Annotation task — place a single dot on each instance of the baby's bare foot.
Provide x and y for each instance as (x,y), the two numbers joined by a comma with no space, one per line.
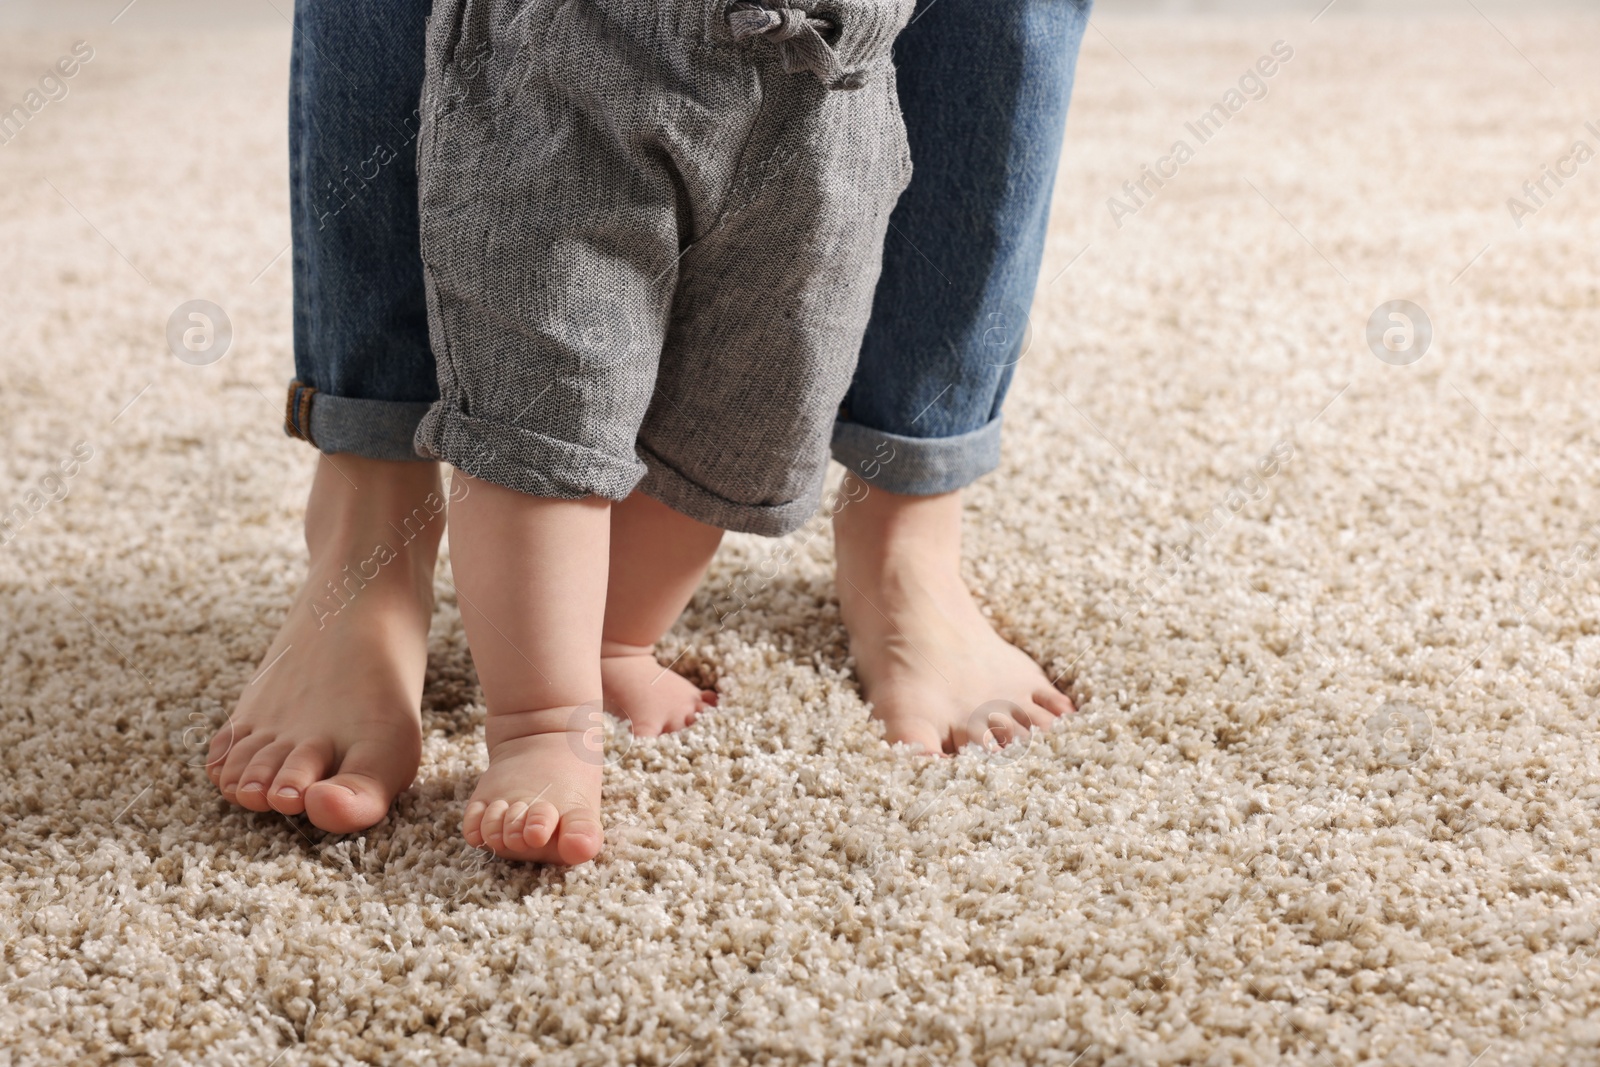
(329,727)
(657,559)
(540,582)
(650,696)
(540,798)
(530,574)
(936,673)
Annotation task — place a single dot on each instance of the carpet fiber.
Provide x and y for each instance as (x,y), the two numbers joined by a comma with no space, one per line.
(1333,620)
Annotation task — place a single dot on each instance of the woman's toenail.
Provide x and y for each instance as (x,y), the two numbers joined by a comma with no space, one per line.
(289,791)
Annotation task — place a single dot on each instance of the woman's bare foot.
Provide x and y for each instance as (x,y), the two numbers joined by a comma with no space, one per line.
(330,725)
(658,558)
(530,575)
(936,673)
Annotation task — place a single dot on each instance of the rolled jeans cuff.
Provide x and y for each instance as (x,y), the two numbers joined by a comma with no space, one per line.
(917,466)
(376,429)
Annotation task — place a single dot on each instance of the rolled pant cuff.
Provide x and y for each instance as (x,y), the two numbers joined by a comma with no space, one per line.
(666,485)
(376,429)
(917,466)
(525,461)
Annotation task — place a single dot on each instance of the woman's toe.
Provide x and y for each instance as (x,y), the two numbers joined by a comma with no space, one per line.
(1054,701)
(346,803)
(238,759)
(302,768)
(259,774)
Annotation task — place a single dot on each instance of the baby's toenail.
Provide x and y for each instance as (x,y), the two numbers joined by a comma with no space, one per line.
(289,791)
(251,787)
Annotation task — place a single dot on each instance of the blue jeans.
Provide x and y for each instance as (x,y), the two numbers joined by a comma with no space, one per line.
(984,88)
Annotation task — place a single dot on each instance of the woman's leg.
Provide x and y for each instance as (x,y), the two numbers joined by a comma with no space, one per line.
(984,88)
(330,724)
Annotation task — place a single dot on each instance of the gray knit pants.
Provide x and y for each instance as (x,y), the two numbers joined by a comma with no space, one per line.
(651,232)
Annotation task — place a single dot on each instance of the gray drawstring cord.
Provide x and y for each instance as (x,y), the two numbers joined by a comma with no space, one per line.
(798,36)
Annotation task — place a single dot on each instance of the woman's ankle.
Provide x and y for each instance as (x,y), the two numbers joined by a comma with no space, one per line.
(883,531)
(352,494)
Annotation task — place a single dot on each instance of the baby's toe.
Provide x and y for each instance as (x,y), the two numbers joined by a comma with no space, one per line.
(580,836)
(494,824)
(681,716)
(1013,731)
(697,705)
(687,708)
(516,815)
(472,823)
(539,824)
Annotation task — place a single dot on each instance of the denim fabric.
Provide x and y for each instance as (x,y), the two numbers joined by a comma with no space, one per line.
(360,318)
(983,86)
(651,244)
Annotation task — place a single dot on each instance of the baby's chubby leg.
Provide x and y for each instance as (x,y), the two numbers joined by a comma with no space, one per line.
(658,557)
(531,577)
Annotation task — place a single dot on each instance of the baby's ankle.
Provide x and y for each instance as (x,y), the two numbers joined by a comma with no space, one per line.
(501,726)
(613,649)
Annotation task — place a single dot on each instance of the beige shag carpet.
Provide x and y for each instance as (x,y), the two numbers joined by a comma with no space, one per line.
(1334,622)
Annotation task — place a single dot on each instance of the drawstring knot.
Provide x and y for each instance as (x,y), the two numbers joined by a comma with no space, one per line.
(798,35)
